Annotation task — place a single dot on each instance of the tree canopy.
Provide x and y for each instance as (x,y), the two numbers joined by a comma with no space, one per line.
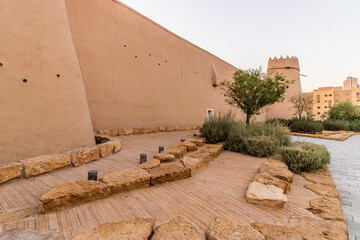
(251,90)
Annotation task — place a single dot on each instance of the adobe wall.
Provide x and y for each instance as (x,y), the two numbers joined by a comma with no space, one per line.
(43,114)
(290,69)
(138,74)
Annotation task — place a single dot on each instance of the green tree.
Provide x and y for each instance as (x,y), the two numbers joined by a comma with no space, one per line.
(251,90)
(344,111)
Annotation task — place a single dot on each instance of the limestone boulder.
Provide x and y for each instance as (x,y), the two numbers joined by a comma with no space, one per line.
(142,131)
(152,163)
(222,229)
(194,164)
(165,157)
(10,171)
(126,131)
(106,149)
(140,228)
(268,179)
(126,179)
(31,234)
(104,132)
(191,147)
(323,190)
(206,157)
(278,232)
(162,129)
(318,178)
(114,133)
(213,149)
(84,155)
(266,195)
(44,164)
(177,150)
(177,228)
(318,228)
(72,193)
(117,144)
(277,169)
(168,173)
(327,208)
(197,140)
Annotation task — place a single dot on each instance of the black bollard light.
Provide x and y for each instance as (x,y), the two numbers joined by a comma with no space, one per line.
(195,135)
(143,157)
(161,149)
(92,175)
(182,140)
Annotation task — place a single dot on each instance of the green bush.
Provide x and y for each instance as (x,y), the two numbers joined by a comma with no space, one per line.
(354,126)
(217,128)
(305,157)
(257,139)
(285,122)
(344,111)
(336,125)
(307,126)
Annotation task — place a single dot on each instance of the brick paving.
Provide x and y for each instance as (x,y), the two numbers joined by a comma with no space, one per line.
(345,170)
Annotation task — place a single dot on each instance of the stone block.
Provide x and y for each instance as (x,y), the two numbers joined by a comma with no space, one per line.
(117,144)
(327,208)
(268,179)
(318,178)
(266,195)
(277,169)
(213,149)
(278,232)
(126,179)
(168,173)
(43,164)
(198,141)
(84,155)
(191,147)
(177,228)
(31,234)
(162,129)
(165,157)
(142,131)
(10,171)
(205,157)
(114,133)
(194,164)
(221,229)
(104,132)
(323,190)
(106,149)
(177,150)
(139,228)
(150,164)
(126,131)
(72,193)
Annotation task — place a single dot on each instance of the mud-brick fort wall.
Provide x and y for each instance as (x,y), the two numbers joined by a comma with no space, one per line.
(43,106)
(138,74)
(289,68)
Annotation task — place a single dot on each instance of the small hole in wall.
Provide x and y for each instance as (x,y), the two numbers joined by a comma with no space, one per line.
(1,64)
(166,61)
(159,64)
(135,56)
(125,45)
(149,54)
(58,75)
(287,86)
(25,80)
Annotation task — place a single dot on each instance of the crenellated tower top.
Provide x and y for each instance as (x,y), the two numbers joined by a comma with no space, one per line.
(284,63)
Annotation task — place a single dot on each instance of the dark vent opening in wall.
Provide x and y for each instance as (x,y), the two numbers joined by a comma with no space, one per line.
(58,75)
(125,45)
(1,64)
(25,80)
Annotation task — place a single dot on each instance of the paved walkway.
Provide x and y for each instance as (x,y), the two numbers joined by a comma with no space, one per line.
(345,170)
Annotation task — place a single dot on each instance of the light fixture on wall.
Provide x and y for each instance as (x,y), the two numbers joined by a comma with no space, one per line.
(143,158)
(92,175)
(161,149)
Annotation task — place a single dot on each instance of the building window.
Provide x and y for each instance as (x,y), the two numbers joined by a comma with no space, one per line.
(330,95)
(325,107)
(325,95)
(318,107)
(318,113)
(325,100)
(318,98)
(330,102)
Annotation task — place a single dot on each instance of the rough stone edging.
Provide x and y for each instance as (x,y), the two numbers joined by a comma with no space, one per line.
(325,137)
(134,131)
(34,166)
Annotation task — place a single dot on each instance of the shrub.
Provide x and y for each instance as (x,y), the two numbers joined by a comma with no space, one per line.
(285,122)
(257,139)
(336,125)
(354,126)
(217,128)
(307,126)
(344,111)
(305,157)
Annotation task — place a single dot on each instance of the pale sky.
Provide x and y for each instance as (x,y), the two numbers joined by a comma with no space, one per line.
(323,34)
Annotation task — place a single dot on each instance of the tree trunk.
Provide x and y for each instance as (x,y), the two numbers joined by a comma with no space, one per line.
(248,119)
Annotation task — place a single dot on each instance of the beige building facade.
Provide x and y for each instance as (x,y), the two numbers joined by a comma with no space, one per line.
(325,97)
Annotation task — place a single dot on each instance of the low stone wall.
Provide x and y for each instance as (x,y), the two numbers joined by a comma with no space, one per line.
(327,135)
(163,168)
(31,167)
(132,131)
